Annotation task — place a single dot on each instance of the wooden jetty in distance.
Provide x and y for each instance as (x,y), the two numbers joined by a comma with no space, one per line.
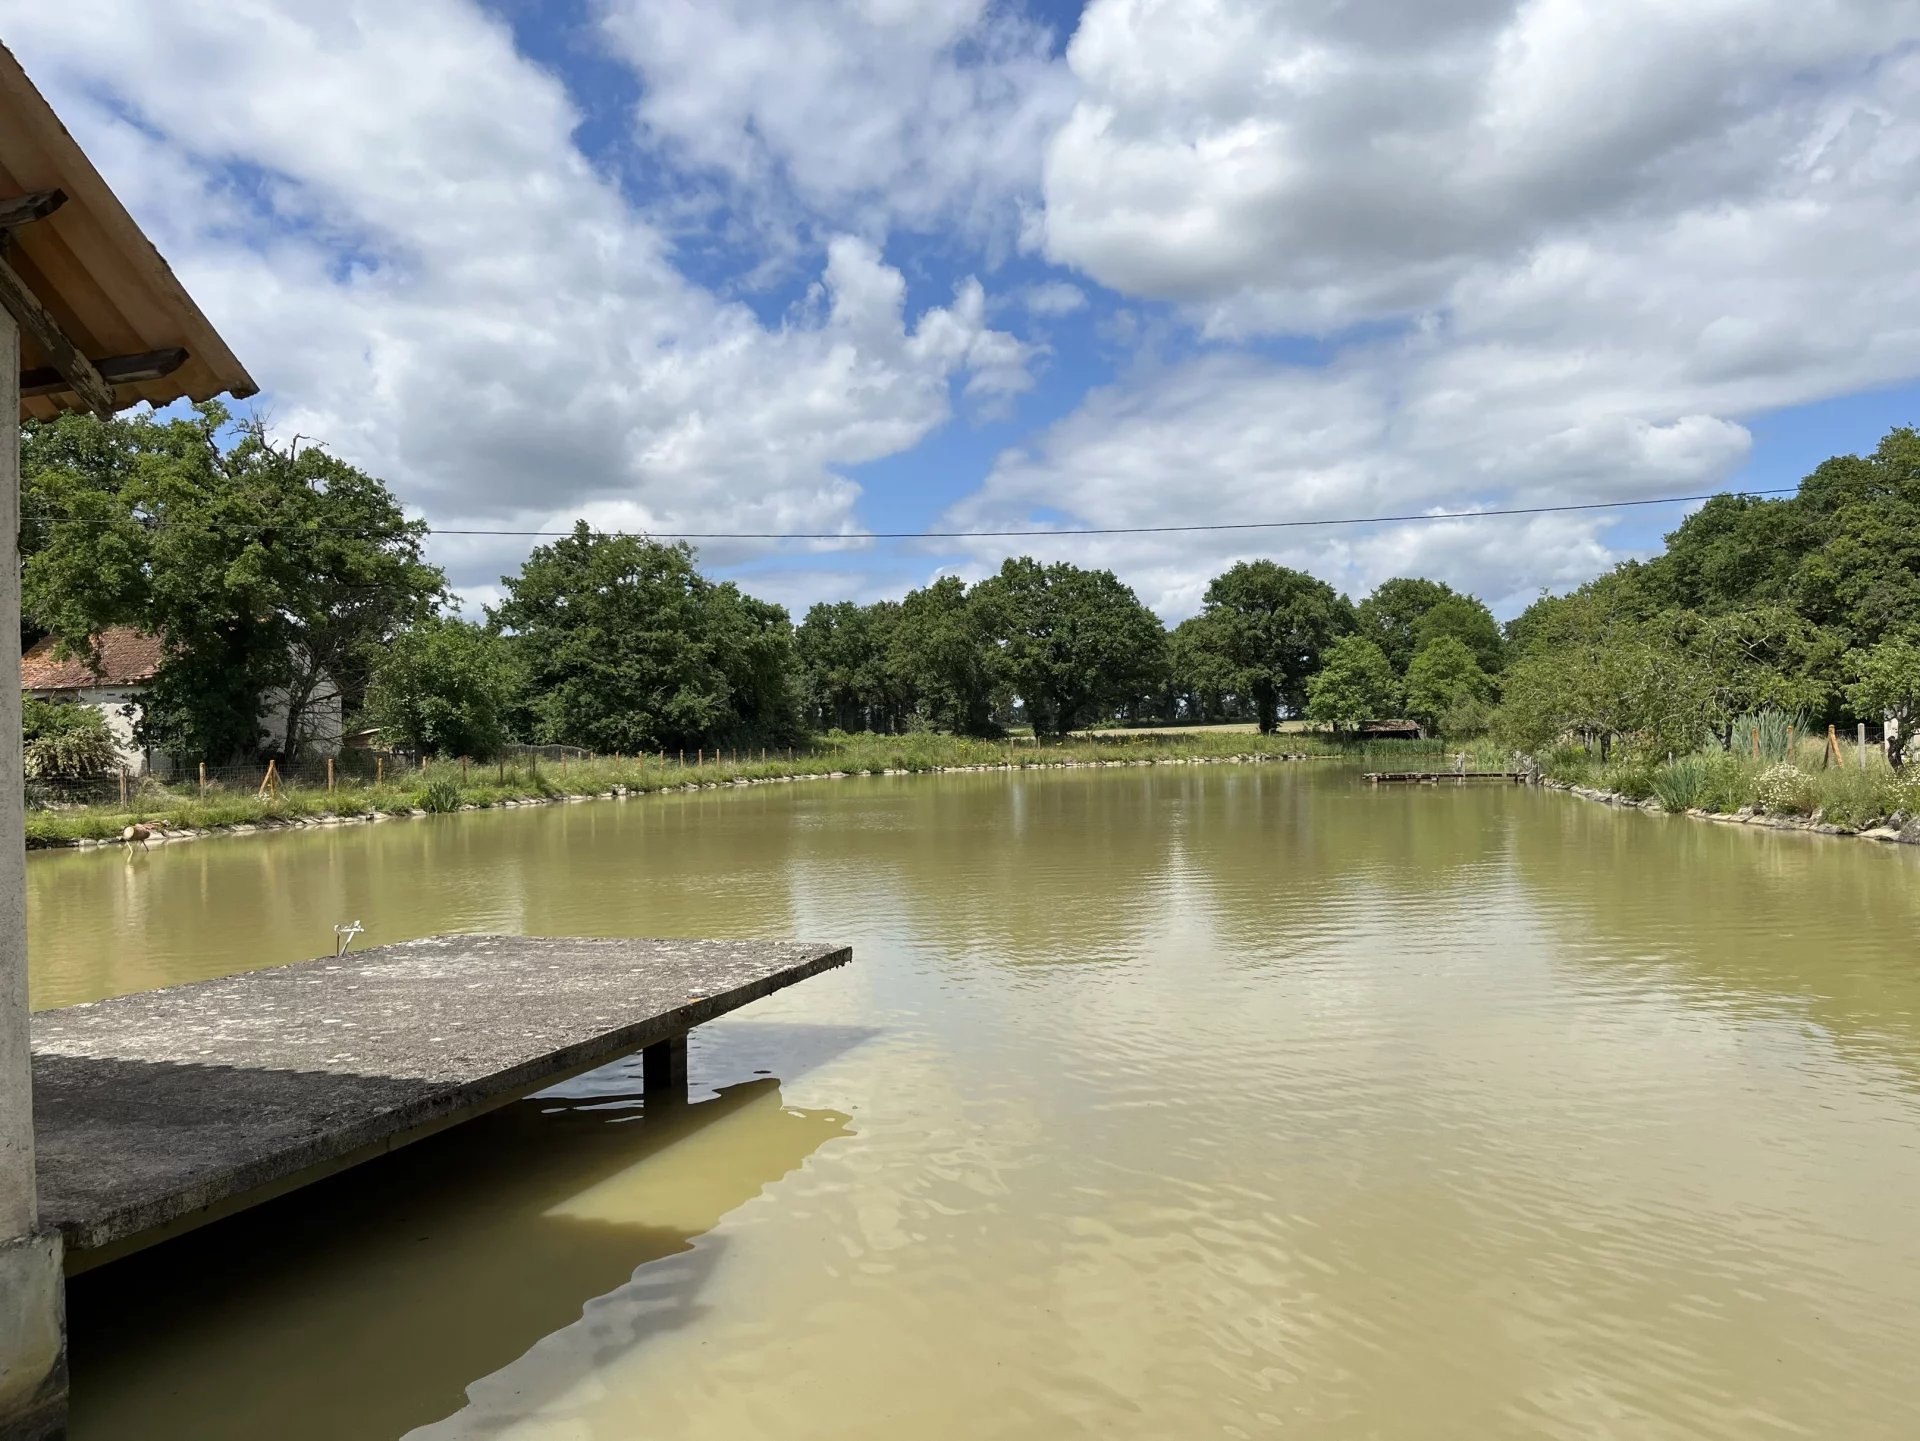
(1435,777)
(163,1110)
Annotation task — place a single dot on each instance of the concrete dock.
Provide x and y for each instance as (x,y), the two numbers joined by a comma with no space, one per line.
(160,1111)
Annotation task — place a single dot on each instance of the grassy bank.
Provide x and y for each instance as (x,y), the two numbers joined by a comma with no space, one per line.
(450,786)
(1783,781)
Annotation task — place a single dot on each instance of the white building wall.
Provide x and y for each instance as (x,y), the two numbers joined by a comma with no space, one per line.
(323,723)
(120,705)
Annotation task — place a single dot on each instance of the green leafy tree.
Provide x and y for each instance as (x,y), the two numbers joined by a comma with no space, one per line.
(1202,677)
(627,647)
(445,687)
(1391,616)
(263,568)
(1074,640)
(1619,597)
(1761,658)
(848,675)
(1269,628)
(1632,683)
(1886,686)
(66,742)
(1355,684)
(946,658)
(1843,553)
(1466,619)
(1446,689)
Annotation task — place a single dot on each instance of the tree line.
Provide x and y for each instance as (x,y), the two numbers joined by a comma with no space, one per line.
(281,568)
(1807,605)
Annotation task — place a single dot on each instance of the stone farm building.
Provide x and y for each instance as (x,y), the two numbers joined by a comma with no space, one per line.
(129,660)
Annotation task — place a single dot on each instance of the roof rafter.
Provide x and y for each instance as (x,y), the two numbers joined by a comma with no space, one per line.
(36,322)
(115,370)
(34,205)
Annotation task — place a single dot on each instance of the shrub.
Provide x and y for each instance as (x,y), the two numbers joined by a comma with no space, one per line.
(1784,790)
(1680,784)
(442,794)
(1704,780)
(1634,780)
(1850,797)
(65,742)
(1567,763)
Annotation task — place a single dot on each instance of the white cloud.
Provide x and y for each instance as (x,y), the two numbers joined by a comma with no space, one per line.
(871,113)
(1054,297)
(1599,239)
(1305,166)
(1234,439)
(1560,251)
(446,291)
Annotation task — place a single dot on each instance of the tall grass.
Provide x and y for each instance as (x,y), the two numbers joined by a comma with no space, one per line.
(1706,780)
(451,785)
(1767,735)
(1791,777)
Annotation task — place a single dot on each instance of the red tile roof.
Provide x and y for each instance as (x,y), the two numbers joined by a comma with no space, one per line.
(127,657)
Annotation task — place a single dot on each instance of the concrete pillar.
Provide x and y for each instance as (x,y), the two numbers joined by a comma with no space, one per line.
(33,1351)
(663,1070)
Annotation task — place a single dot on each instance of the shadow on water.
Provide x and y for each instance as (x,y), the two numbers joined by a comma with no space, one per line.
(364,1306)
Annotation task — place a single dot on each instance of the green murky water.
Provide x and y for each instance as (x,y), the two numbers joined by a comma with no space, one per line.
(1168,1103)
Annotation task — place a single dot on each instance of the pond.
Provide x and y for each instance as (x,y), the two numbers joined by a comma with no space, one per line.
(1175,1102)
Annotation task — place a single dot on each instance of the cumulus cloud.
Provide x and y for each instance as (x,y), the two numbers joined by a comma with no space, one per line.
(420,267)
(1536,252)
(1306,166)
(871,113)
(1236,439)
(1054,298)
(1596,239)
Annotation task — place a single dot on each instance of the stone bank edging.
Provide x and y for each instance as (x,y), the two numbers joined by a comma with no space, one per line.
(1746,816)
(170,835)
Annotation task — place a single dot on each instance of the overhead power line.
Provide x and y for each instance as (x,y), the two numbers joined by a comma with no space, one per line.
(1038,533)
(1129,529)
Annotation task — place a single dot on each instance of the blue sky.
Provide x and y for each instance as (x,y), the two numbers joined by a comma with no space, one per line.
(893,265)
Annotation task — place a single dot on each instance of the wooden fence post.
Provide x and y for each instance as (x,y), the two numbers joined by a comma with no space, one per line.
(1863,745)
(329,775)
(379,770)
(203,768)
(123,787)
(1755,733)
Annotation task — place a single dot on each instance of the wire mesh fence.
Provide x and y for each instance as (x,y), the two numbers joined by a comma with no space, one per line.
(159,780)
(156,778)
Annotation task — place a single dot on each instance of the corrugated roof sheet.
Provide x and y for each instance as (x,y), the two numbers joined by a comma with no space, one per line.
(127,657)
(94,268)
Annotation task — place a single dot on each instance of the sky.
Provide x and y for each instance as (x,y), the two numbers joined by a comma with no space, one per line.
(858,266)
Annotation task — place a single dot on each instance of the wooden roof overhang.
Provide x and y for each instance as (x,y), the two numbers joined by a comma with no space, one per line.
(103,322)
